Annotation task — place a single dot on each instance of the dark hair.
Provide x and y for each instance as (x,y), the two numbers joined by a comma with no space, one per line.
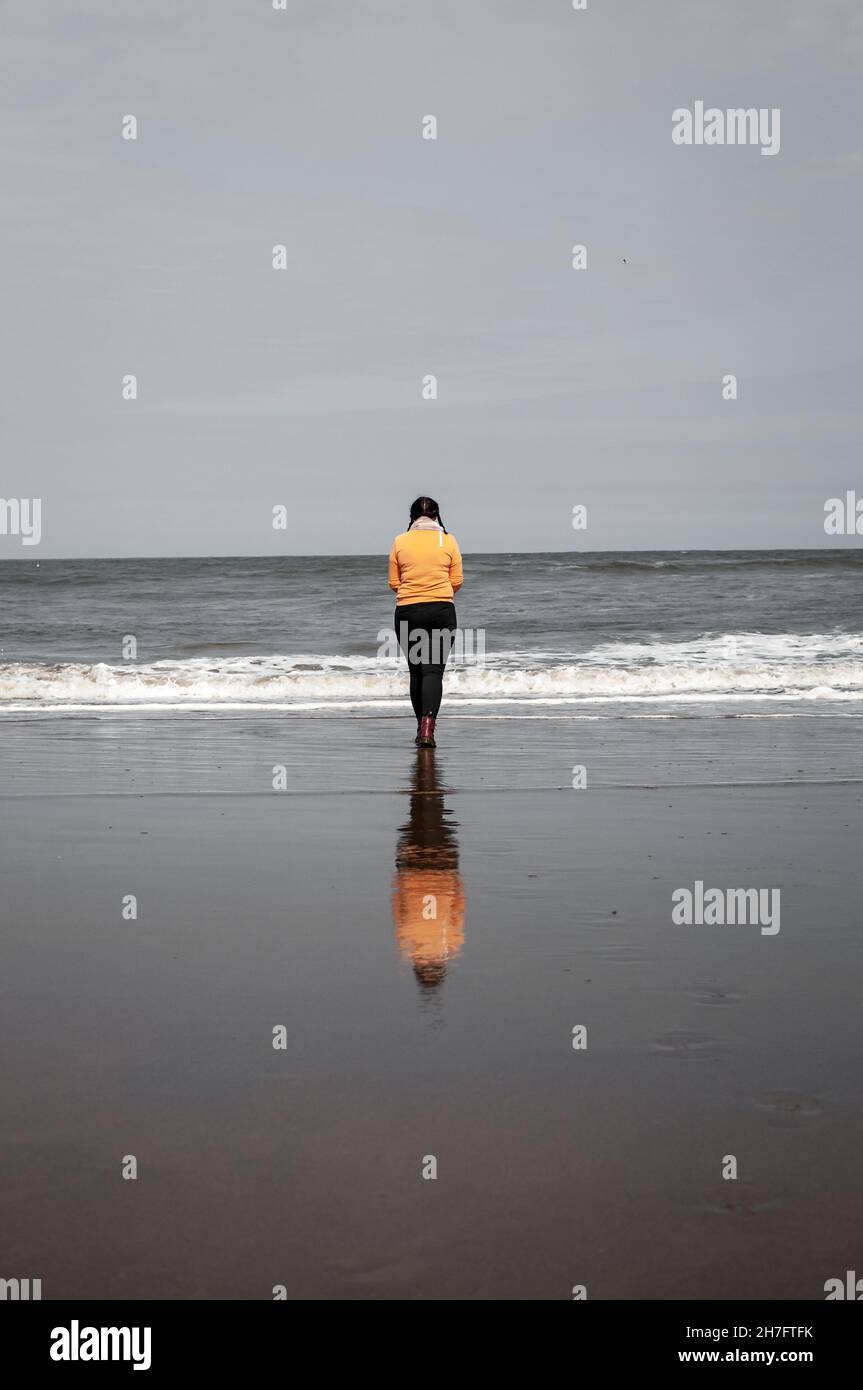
(426,506)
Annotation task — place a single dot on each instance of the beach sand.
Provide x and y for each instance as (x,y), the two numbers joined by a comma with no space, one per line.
(408,1038)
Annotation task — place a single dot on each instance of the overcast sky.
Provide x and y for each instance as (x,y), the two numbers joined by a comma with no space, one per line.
(407,256)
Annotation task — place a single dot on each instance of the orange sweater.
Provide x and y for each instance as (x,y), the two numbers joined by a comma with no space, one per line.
(425,566)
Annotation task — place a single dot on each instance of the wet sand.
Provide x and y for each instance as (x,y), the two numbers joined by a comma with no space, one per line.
(407,1037)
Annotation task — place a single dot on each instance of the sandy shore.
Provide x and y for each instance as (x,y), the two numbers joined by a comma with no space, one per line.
(408,1038)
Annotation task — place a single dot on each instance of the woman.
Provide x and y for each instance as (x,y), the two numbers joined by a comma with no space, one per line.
(425,573)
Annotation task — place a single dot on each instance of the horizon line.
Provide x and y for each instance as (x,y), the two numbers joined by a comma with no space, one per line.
(376,554)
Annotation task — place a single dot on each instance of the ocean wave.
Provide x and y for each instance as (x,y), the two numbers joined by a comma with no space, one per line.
(721,666)
(706,562)
(741,647)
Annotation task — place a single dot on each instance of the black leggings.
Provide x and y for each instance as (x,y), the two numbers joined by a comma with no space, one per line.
(426,656)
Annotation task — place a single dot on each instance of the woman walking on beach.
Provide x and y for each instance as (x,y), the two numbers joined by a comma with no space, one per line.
(425,573)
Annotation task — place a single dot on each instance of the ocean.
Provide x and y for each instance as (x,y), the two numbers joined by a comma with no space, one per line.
(672,632)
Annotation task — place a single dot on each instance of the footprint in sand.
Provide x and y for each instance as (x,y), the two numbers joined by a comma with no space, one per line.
(736,1199)
(713,994)
(680,1042)
(790,1107)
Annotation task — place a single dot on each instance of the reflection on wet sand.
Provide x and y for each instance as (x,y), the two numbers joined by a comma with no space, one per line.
(428,893)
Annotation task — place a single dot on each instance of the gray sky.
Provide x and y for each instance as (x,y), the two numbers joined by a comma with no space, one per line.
(407,257)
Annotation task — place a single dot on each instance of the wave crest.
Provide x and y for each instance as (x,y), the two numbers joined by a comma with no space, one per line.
(753,665)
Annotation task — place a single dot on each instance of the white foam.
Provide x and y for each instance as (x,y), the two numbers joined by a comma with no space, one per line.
(728,667)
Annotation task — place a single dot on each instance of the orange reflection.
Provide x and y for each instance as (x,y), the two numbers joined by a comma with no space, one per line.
(428,893)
